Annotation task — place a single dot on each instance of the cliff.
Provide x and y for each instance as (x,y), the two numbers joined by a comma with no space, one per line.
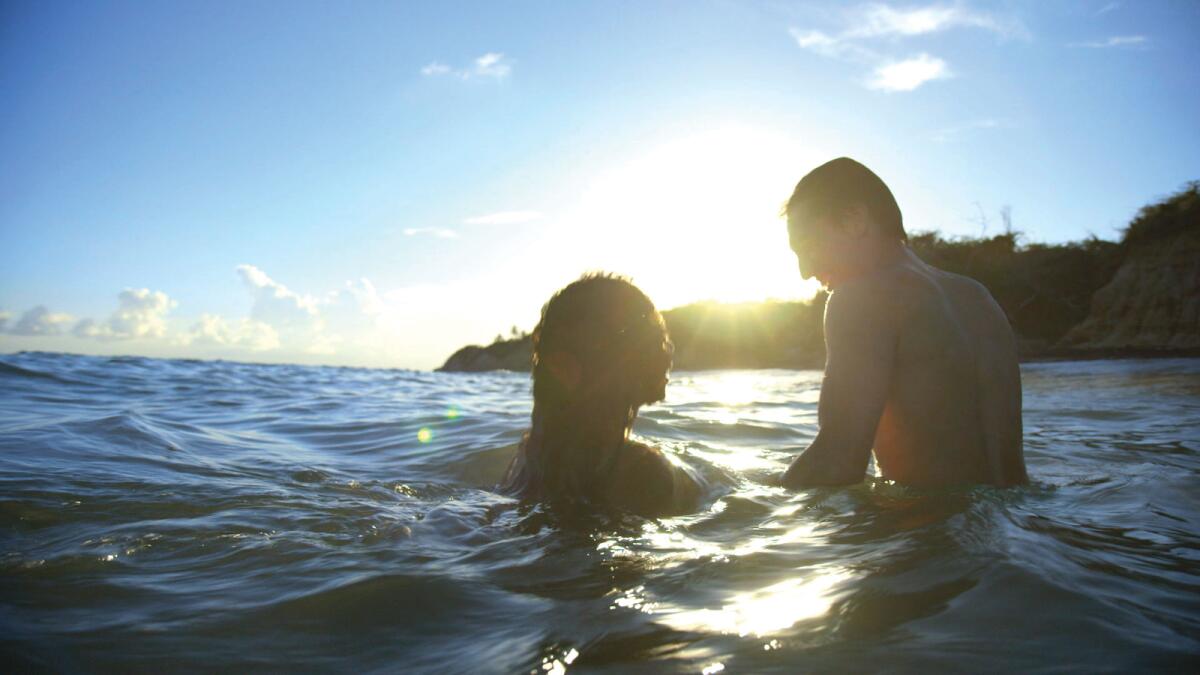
(515,354)
(1153,300)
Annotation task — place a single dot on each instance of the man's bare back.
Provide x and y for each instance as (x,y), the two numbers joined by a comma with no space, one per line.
(953,414)
(933,353)
(921,364)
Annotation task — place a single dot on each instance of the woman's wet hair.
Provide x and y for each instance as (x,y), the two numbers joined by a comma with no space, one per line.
(841,183)
(600,342)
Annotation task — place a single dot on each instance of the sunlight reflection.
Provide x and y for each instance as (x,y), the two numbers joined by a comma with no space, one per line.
(558,666)
(801,533)
(634,598)
(765,611)
(671,547)
(735,388)
(738,459)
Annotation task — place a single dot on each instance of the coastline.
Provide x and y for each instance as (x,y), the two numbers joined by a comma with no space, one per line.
(1086,300)
(507,356)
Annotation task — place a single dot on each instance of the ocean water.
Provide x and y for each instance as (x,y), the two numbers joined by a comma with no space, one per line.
(221,516)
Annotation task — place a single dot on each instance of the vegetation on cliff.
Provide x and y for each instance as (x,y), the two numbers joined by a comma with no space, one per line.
(1175,215)
(1152,303)
(1045,289)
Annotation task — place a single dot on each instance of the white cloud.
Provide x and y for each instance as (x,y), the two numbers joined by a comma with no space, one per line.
(812,39)
(908,74)
(360,324)
(831,47)
(1125,41)
(440,232)
(141,313)
(356,323)
(490,65)
(40,321)
(879,20)
(215,330)
(876,23)
(1108,8)
(283,319)
(354,308)
(504,218)
(276,305)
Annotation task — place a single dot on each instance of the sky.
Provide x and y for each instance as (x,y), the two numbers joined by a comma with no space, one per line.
(378,184)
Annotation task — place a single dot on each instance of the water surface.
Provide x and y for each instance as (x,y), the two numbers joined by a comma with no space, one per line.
(229,516)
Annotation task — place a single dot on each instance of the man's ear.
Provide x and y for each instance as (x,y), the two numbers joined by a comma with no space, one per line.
(564,368)
(856,220)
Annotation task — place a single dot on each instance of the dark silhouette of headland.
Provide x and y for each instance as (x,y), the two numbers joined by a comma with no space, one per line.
(1139,296)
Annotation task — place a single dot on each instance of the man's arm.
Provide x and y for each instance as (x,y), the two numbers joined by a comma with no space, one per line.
(860,343)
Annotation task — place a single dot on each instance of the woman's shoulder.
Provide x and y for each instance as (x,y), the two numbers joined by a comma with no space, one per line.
(646,482)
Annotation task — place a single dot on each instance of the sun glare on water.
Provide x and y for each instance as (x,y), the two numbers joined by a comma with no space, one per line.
(698,218)
(767,611)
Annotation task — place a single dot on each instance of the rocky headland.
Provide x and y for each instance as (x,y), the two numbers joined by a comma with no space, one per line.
(1152,301)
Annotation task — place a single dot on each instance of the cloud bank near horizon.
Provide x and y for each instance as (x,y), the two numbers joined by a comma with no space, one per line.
(355,324)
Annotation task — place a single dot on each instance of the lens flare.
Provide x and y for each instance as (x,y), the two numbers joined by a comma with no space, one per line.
(424,435)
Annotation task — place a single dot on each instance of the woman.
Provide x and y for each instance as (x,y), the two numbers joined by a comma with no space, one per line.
(600,352)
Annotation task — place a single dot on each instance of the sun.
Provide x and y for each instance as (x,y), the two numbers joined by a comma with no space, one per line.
(697,217)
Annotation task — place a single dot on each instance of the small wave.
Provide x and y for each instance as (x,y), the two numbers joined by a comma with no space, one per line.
(10,369)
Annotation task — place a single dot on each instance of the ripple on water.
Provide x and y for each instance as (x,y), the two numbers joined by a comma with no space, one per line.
(236,516)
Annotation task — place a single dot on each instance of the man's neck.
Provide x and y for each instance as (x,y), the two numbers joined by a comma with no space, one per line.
(879,256)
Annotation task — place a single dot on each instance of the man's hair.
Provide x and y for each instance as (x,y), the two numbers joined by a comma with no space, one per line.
(841,183)
(611,333)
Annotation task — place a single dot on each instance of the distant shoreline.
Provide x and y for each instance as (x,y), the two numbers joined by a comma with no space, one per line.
(1047,356)
(1085,300)
(1060,355)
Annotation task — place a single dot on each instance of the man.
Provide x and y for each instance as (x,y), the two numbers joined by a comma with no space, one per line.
(921,364)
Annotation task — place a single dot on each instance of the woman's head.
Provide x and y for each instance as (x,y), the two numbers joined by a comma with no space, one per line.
(600,345)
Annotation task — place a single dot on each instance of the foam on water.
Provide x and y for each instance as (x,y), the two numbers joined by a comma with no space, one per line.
(229,516)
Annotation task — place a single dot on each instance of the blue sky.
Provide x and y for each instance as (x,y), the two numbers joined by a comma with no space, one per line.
(378,184)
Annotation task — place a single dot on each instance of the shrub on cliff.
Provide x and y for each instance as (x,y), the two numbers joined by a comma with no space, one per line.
(1175,214)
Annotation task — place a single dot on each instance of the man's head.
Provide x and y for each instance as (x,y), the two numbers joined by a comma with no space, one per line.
(839,216)
(600,342)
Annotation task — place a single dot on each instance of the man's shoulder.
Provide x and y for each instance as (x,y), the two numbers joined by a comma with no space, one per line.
(910,286)
(962,283)
(969,297)
(873,301)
